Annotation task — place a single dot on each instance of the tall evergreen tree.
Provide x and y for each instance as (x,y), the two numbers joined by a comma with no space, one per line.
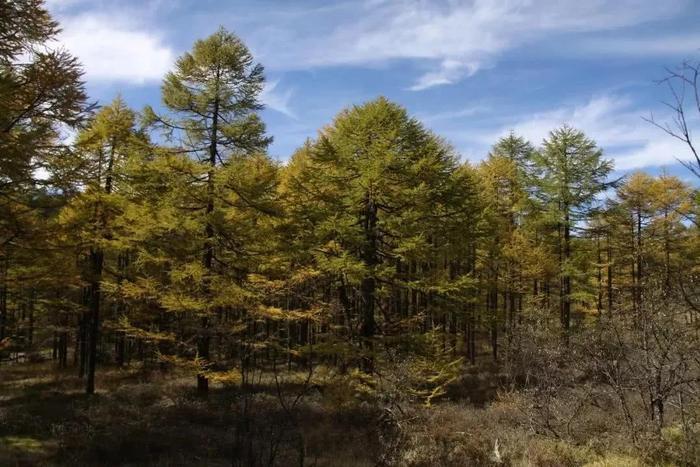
(102,150)
(41,94)
(383,196)
(213,98)
(506,176)
(573,174)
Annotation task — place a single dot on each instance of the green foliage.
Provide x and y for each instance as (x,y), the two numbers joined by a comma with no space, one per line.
(214,94)
(379,193)
(373,269)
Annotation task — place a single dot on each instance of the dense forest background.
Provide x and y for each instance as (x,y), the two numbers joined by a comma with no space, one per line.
(171,295)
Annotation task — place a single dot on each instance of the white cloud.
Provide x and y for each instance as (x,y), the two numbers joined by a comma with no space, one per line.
(277,100)
(658,152)
(675,44)
(111,50)
(457,36)
(450,71)
(613,123)
(453,114)
(448,39)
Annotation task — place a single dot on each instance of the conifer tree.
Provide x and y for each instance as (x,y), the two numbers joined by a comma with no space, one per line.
(382,196)
(505,176)
(648,214)
(573,174)
(213,99)
(41,94)
(40,91)
(635,198)
(102,150)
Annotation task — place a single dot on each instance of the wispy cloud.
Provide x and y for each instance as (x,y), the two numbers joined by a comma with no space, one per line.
(277,99)
(613,122)
(449,71)
(665,45)
(447,39)
(453,114)
(457,37)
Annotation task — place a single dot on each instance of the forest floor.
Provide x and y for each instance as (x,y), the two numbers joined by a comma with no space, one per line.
(141,417)
(146,418)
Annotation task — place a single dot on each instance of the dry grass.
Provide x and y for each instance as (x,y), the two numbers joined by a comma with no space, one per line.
(144,417)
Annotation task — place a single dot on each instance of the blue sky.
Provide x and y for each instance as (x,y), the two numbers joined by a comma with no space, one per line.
(471,70)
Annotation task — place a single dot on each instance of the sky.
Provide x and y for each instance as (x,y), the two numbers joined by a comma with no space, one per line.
(470,70)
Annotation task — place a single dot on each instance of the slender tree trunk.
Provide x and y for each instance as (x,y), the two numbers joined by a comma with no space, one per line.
(120,338)
(610,274)
(560,255)
(368,286)
(63,348)
(599,303)
(492,305)
(96,266)
(30,311)
(83,337)
(96,263)
(667,255)
(471,340)
(203,341)
(3,298)
(637,269)
(78,348)
(566,292)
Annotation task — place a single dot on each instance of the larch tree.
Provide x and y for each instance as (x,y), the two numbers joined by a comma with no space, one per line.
(636,202)
(505,177)
(213,99)
(41,94)
(102,149)
(573,175)
(673,204)
(650,212)
(383,197)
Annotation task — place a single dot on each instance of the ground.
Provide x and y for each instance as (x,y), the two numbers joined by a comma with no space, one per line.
(144,417)
(147,417)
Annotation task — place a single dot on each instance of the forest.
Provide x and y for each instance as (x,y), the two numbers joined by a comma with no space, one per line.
(170,294)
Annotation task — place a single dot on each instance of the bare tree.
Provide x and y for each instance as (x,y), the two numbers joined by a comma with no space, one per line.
(684,87)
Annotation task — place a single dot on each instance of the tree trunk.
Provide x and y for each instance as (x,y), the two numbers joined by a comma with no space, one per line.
(566,292)
(96,263)
(599,303)
(368,286)
(610,275)
(3,299)
(638,260)
(203,341)
(83,338)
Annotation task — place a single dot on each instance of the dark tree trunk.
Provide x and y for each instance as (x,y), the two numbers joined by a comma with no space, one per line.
(610,275)
(492,302)
(83,340)
(368,286)
(63,349)
(566,277)
(30,311)
(3,299)
(204,338)
(638,288)
(96,264)
(599,303)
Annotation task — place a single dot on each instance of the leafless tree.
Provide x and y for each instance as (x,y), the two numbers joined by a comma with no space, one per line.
(684,87)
